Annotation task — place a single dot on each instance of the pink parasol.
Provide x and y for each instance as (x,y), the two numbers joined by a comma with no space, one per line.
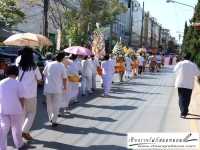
(78,50)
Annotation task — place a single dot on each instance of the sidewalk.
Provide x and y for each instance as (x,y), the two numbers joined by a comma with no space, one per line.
(195,106)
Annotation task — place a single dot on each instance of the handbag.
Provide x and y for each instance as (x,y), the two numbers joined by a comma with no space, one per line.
(22,76)
(73,79)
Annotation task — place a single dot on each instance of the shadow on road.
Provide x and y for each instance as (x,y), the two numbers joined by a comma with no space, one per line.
(61,146)
(104,119)
(80,130)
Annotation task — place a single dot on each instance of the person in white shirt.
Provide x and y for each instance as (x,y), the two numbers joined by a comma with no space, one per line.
(29,75)
(56,78)
(48,56)
(86,75)
(65,100)
(114,65)
(74,70)
(158,62)
(11,104)
(128,66)
(108,68)
(95,64)
(140,65)
(185,75)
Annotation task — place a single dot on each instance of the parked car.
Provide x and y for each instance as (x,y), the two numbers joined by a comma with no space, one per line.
(8,54)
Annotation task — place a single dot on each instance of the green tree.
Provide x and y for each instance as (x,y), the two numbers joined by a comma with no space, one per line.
(184,37)
(80,24)
(191,41)
(10,14)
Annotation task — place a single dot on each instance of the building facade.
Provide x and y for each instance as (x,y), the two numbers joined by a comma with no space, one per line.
(136,23)
(34,21)
(152,32)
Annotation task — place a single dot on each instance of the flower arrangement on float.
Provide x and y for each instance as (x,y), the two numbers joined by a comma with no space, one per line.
(98,45)
(144,54)
(118,51)
(131,53)
(120,59)
(133,56)
(143,51)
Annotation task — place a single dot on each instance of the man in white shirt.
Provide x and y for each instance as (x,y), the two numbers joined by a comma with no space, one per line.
(128,66)
(55,84)
(86,75)
(108,68)
(185,75)
(158,62)
(140,61)
(95,64)
(114,65)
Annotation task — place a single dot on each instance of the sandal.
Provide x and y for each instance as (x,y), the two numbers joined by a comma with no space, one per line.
(26,136)
(23,146)
(54,123)
(105,95)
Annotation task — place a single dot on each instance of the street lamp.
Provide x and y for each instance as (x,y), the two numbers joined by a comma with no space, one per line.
(171,1)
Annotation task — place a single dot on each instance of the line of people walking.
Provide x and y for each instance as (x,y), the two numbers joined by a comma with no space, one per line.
(61,86)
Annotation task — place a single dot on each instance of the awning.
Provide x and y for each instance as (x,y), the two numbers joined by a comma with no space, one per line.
(153,50)
(5,32)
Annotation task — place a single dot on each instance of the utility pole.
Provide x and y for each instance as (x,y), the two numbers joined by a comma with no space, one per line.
(45,22)
(159,36)
(152,21)
(141,37)
(110,38)
(131,22)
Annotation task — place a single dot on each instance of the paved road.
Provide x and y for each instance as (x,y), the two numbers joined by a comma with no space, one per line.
(147,103)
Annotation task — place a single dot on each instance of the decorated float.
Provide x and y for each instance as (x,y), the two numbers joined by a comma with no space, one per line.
(120,59)
(133,56)
(98,45)
(144,54)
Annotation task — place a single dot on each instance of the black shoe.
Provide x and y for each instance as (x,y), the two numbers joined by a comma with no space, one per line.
(76,101)
(83,94)
(59,114)
(125,77)
(129,77)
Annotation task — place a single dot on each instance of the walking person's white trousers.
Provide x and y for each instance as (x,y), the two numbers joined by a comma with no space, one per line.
(53,105)
(128,72)
(106,84)
(86,83)
(29,112)
(74,89)
(15,123)
(94,80)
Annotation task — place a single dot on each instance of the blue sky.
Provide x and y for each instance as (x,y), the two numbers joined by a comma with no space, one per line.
(171,15)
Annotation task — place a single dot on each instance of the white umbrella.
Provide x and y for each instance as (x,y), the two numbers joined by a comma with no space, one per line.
(28,39)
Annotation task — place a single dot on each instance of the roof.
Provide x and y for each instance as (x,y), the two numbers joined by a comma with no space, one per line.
(5,32)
